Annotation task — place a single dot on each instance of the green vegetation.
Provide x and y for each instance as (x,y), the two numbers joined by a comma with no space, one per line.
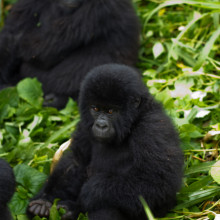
(179,58)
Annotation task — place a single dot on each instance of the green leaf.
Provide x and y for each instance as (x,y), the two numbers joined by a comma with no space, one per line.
(61,131)
(9,96)
(147,209)
(195,186)
(54,213)
(206,50)
(192,114)
(188,131)
(202,4)
(158,49)
(215,172)
(29,177)
(39,218)
(8,101)
(82,217)
(197,197)
(22,217)
(165,98)
(203,167)
(6,112)
(70,108)
(18,204)
(30,90)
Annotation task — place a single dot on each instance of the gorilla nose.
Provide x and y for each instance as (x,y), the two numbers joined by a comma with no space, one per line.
(102,124)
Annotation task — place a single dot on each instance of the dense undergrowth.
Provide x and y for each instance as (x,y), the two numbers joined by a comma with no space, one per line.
(179,58)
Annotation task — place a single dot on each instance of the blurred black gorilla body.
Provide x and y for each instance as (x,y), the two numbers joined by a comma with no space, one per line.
(7,187)
(125,146)
(59,41)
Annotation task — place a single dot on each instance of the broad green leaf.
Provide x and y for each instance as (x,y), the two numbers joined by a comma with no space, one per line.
(197,197)
(190,131)
(29,177)
(18,204)
(203,167)
(9,96)
(195,186)
(30,90)
(215,172)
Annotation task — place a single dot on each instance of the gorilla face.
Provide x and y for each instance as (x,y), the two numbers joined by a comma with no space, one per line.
(103,129)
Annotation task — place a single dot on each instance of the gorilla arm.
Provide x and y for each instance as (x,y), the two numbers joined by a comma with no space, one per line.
(65,181)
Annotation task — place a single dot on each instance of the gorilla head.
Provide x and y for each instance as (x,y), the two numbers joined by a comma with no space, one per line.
(110,101)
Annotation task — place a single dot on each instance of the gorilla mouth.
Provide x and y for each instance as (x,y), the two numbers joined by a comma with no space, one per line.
(103,136)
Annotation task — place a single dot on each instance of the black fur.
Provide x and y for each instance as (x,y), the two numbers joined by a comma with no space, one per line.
(144,158)
(59,41)
(7,187)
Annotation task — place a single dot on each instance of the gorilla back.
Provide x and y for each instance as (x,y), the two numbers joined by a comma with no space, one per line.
(125,146)
(7,187)
(59,41)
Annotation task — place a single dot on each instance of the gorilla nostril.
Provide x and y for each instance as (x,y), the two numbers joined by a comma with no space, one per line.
(102,124)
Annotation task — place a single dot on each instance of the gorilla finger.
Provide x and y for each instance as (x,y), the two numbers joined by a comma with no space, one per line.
(37,210)
(32,208)
(47,212)
(48,204)
(43,210)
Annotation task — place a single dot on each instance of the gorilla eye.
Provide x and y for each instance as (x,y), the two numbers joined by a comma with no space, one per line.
(110,111)
(95,108)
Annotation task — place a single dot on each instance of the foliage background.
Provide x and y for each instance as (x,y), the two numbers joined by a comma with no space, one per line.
(179,57)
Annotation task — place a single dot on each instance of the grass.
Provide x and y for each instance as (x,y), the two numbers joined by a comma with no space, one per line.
(179,58)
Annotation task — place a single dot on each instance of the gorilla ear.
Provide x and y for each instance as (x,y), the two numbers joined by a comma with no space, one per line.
(137,102)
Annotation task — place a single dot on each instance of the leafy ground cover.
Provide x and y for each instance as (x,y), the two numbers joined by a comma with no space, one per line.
(179,58)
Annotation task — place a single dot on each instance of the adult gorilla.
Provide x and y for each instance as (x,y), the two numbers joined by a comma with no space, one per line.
(59,41)
(124,147)
(7,187)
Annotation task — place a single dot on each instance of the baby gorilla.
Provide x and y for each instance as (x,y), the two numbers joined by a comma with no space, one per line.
(124,147)
(7,186)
